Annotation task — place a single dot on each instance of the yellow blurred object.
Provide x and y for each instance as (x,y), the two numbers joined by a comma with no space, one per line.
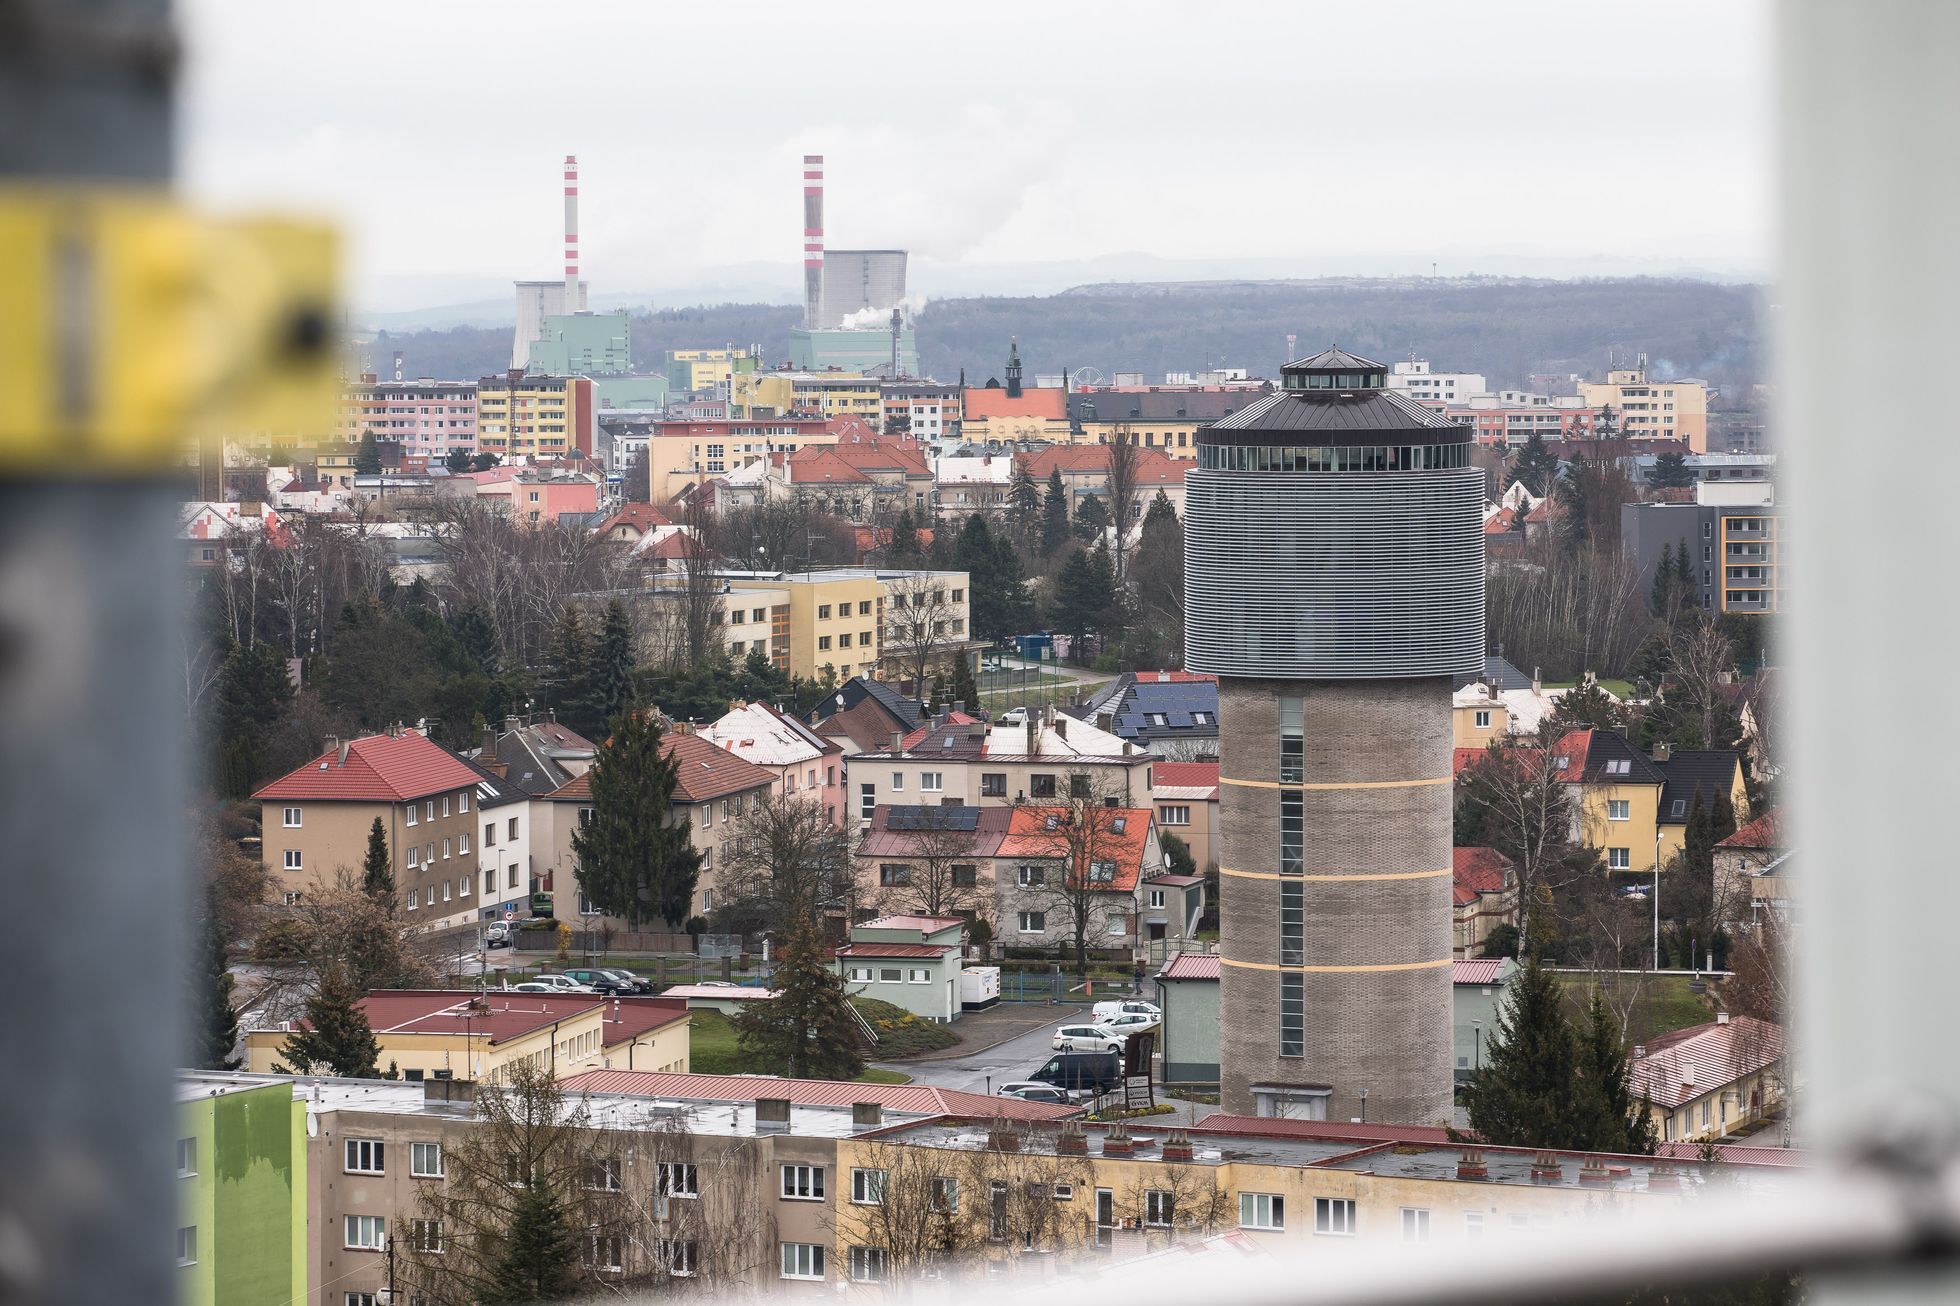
(129,324)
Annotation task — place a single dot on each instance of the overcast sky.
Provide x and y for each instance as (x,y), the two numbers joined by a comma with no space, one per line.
(984,138)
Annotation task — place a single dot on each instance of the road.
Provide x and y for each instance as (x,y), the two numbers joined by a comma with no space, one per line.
(980,1072)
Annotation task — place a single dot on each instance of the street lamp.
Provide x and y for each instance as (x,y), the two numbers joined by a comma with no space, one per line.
(1477,1033)
(1364,1106)
(1657,891)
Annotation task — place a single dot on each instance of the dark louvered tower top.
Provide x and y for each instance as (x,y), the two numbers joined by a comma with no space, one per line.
(1334,530)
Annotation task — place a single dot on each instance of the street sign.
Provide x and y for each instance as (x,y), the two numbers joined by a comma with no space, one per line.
(510,911)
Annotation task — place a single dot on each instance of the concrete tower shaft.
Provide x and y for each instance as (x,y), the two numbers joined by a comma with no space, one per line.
(812,241)
(571,232)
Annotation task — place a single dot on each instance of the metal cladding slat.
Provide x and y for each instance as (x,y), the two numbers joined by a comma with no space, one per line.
(1339,576)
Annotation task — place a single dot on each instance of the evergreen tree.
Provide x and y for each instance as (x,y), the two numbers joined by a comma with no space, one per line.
(571,671)
(336,1038)
(807,1028)
(1535,466)
(377,871)
(905,539)
(1612,1119)
(1606,426)
(458,461)
(1699,839)
(540,1260)
(1013,605)
(964,688)
(1091,519)
(1157,582)
(1721,821)
(252,693)
(612,670)
(367,457)
(1083,593)
(1527,1093)
(1575,505)
(1177,855)
(1671,472)
(217,1017)
(634,859)
(1661,598)
(1054,515)
(483,462)
(1023,505)
(1684,570)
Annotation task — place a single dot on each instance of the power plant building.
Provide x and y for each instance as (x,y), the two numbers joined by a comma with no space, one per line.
(861,287)
(1335,559)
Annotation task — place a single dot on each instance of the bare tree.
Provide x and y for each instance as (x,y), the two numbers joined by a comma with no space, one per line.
(1701,663)
(1567,610)
(938,874)
(785,864)
(1125,506)
(1084,844)
(692,633)
(1531,813)
(918,625)
(1178,1200)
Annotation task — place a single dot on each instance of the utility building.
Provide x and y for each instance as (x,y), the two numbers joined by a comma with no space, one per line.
(1335,553)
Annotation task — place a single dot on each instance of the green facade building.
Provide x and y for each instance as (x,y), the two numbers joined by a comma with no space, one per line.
(583,344)
(867,352)
(241,1175)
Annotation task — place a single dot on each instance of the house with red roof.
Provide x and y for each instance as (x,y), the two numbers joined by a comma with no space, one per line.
(633,522)
(479,1036)
(712,790)
(315,821)
(1751,870)
(1476,996)
(1185,795)
(1064,870)
(1084,470)
(912,962)
(1707,1081)
(1484,887)
(861,478)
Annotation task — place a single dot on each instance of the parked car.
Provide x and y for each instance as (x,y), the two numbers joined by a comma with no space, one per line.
(1035,1091)
(1082,1074)
(563,983)
(640,983)
(602,981)
(1087,1038)
(1130,1022)
(532,986)
(1102,1011)
(496,935)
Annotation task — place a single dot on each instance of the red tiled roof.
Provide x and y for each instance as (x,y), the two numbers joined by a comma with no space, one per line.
(378,769)
(867,451)
(912,1099)
(1035,401)
(822,466)
(636,517)
(1191,966)
(705,772)
(1028,836)
(1766,831)
(630,1017)
(1185,775)
(913,739)
(1478,870)
(1501,522)
(1477,971)
(1683,1065)
(872,538)
(1153,466)
(499,1016)
(897,949)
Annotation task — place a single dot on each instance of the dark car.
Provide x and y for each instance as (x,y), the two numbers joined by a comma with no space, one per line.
(599,981)
(637,983)
(1082,1073)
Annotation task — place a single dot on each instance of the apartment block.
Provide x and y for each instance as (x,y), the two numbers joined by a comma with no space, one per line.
(1668,410)
(1735,547)
(525,416)
(430,419)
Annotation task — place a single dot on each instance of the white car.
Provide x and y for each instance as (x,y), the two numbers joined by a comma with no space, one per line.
(1103,1011)
(532,986)
(1033,1090)
(1087,1038)
(562,983)
(1130,1022)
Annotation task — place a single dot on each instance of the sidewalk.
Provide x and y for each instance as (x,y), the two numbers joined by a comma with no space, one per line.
(981,1030)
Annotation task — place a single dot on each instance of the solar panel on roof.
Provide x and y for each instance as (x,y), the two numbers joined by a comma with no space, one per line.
(933,818)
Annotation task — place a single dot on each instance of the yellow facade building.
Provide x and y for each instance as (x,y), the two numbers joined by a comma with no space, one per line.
(681,454)
(834,619)
(1477,717)
(1652,410)
(524,416)
(832,394)
(1633,808)
(433,1034)
(706,369)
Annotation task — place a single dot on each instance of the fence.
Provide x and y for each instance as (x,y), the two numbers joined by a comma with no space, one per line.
(600,942)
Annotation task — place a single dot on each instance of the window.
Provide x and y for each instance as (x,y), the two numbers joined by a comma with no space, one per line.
(868,1187)
(867,1265)
(425,1160)
(1157,899)
(428,854)
(187,1245)
(889,974)
(1483,718)
(1262,1211)
(290,898)
(942,1194)
(860,974)
(1679,807)
(1032,875)
(1041,786)
(1292,832)
(1292,923)
(1292,1015)
(918,975)
(867,801)
(365,1232)
(1415,1224)
(676,1179)
(357,1299)
(1101,872)
(1176,815)
(429,810)
(823,612)
(1158,1208)
(602,1252)
(292,859)
(676,1256)
(823,641)
(414,856)
(893,874)
(513,828)
(186,1157)
(802,1261)
(1201,718)
(864,607)
(602,1175)
(463,802)
(412,810)
(1118,924)
(1618,809)
(364,1156)
(513,877)
(1034,922)
(1619,859)
(425,1235)
(931,781)
(292,818)
(803,1183)
(1292,740)
(445,891)
(1333,1215)
(898,781)
(429,895)
(462,845)
(1619,766)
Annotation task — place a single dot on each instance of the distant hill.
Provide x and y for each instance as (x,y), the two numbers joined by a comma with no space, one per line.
(1506,328)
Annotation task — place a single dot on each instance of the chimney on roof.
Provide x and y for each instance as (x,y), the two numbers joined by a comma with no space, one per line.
(959,706)
(898,741)
(448,1090)
(1663,750)
(1721,1018)
(867,1115)
(1546,1166)
(1470,1164)
(1177,1146)
(772,1114)
(345,744)
(1061,726)
(333,743)
(1070,1142)
(1593,1171)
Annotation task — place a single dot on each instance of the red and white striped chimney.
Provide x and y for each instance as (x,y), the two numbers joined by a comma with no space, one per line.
(571,234)
(812,239)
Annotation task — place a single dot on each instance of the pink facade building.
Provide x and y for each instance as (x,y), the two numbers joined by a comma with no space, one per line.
(539,496)
(431,419)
